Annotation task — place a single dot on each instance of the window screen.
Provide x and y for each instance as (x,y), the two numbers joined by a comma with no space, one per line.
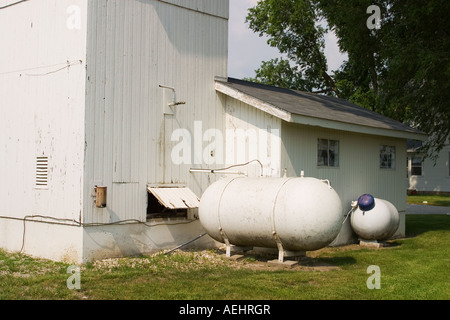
(328,153)
(387,157)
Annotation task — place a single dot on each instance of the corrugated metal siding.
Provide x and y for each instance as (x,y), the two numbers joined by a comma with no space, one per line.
(133,47)
(239,118)
(41,107)
(125,201)
(218,8)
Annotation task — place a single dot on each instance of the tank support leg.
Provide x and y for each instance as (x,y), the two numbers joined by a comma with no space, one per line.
(228,248)
(280,252)
(286,253)
(227,243)
(232,249)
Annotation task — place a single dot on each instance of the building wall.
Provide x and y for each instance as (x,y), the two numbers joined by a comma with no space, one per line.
(80,85)
(252,135)
(359,166)
(134,47)
(435,178)
(359,163)
(108,241)
(359,159)
(219,8)
(42,86)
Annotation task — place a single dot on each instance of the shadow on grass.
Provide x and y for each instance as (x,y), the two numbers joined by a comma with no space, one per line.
(419,224)
(310,263)
(327,261)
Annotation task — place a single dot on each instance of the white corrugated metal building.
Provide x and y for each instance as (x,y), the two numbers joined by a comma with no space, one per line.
(80,94)
(127,97)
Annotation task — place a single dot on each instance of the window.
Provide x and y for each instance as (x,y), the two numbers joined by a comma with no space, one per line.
(416,166)
(407,167)
(387,157)
(328,153)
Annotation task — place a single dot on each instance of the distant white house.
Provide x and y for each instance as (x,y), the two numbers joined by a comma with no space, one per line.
(425,176)
(115,114)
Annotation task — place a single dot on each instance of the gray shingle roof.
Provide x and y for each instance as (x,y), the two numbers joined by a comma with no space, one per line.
(316,106)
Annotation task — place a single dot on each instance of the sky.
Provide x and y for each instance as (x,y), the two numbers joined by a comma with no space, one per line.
(247,50)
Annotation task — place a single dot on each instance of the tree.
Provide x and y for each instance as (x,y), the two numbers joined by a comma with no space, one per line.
(280,73)
(291,27)
(416,80)
(401,69)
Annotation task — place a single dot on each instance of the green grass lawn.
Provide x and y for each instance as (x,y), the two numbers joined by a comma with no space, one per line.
(433,200)
(416,267)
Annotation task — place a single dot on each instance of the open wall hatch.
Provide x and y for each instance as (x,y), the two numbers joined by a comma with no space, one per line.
(170,201)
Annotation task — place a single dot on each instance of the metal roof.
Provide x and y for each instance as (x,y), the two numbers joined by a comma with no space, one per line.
(175,197)
(291,105)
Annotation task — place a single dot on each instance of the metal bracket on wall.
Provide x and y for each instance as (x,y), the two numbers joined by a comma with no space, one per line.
(168,110)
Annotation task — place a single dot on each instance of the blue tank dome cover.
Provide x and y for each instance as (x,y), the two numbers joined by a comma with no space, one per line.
(366,202)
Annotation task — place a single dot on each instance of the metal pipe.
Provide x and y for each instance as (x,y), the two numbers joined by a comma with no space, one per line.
(216,171)
(174,98)
(185,244)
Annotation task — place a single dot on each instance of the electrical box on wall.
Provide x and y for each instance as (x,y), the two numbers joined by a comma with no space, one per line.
(100,197)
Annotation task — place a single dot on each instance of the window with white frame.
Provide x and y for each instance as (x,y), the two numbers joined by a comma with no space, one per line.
(387,157)
(328,153)
(407,167)
(416,166)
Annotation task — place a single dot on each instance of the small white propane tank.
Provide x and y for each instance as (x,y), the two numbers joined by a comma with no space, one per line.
(374,219)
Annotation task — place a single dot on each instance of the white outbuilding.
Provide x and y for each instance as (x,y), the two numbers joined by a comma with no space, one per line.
(425,175)
(117,115)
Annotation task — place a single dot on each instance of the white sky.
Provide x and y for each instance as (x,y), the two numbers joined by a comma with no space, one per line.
(247,50)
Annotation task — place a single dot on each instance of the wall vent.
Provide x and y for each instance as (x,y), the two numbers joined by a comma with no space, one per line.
(41,172)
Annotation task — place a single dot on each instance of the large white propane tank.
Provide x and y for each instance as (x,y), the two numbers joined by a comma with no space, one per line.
(301,214)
